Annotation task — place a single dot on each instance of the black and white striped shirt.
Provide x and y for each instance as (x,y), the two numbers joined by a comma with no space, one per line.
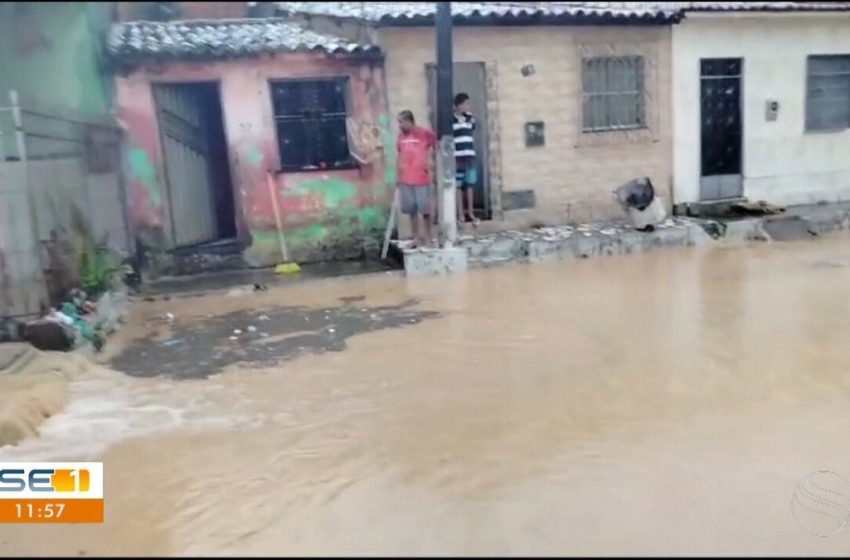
(464,130)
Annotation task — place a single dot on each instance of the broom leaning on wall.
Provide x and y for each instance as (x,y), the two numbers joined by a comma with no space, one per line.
(285,267)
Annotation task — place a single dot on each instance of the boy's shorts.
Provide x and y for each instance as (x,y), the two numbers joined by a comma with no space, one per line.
(466,178)
(415,200)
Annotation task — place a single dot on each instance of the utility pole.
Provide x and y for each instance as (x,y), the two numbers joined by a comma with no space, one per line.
(445,112)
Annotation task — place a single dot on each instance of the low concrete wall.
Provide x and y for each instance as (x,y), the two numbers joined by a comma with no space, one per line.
(431,262)
(556,243)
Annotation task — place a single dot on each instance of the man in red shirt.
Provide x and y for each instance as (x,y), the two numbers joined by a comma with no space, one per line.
(415,145)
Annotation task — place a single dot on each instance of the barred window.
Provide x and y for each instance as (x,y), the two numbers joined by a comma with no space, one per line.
(613,92)
(828,92)
(310,116)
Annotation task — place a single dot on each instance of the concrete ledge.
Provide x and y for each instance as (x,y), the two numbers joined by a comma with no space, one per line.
(796,223)
(594,240)
(551,244)
(744,230)
(14,356)
(430,262)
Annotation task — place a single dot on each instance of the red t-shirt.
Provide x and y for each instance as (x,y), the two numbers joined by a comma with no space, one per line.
(414,155)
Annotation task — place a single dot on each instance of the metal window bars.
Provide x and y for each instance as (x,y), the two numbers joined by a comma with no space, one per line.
(828,93)
(613,93)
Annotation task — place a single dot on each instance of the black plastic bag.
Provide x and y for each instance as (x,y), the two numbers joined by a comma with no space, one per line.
(637,193)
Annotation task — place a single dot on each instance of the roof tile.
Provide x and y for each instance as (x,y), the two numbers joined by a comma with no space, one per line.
(399,11)
(220,39)
(387,12)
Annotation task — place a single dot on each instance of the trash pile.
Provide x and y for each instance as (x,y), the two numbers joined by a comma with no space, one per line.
(639,200)
(66,327)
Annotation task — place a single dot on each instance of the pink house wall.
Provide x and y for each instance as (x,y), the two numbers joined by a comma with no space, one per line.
(326,214)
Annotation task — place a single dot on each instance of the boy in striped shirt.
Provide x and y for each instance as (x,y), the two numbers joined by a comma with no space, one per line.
(465,165)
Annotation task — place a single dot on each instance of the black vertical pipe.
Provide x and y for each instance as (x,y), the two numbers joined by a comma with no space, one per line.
(445,102)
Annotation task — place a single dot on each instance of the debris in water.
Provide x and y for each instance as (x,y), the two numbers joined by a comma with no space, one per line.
(263,318)
(331,331)
(251,328)
(234,338)
(50,335)
(237,331)
(169,316)
(173,342)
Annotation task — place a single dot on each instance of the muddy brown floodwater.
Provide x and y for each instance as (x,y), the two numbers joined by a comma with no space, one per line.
(644,405)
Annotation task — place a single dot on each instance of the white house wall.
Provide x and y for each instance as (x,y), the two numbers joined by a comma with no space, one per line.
(782,163)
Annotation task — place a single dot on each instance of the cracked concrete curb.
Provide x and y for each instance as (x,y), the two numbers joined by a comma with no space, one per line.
(556,243)
(595,240)
(798,223)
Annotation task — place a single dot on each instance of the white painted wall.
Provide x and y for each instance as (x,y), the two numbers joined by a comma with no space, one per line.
(782,163)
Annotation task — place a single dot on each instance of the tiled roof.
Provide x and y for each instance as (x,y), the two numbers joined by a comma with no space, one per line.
(398,12)
(220,39)
(411,11)
(763,6)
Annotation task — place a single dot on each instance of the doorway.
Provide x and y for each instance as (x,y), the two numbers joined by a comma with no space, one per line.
(721,129)
(470,78)
(194,147)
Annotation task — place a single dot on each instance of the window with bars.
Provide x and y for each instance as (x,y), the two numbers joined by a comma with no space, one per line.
(613,93)
(828,92)
(311,123)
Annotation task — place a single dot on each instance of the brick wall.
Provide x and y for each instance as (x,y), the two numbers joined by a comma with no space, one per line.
(573,170)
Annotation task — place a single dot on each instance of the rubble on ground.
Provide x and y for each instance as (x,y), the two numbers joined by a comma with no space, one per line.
(76,321)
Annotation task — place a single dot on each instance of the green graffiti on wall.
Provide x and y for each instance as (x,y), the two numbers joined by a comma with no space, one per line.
(143,171)
(346,223)
(366,218)
(254,154)
(339,220)
(313,233)
(332,192)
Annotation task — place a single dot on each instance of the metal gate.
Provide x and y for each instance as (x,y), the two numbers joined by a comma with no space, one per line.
(186,154)
(721,124)
(60,177)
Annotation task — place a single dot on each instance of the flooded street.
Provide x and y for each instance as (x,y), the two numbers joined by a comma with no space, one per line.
(659,404)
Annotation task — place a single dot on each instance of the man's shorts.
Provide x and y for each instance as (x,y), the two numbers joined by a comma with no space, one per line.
(466,178)
(415,200)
